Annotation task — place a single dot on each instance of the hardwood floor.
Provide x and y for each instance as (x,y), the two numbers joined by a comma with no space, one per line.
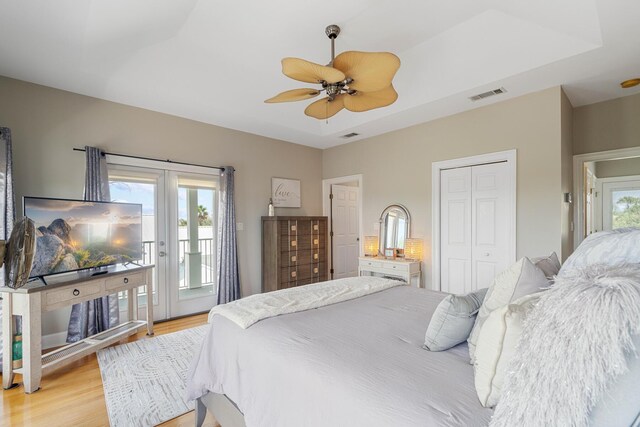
(73,395)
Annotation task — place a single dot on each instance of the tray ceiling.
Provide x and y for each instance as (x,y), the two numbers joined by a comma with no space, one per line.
(216,62)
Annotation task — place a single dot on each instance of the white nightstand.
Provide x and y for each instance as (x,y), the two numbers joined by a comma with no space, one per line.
(409,271)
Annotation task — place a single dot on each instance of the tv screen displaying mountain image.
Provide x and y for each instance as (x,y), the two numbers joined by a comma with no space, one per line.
(75,235)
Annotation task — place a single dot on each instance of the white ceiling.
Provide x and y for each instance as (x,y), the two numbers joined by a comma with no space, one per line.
(216,61)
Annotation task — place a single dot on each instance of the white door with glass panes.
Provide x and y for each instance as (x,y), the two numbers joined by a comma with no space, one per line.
(145,186)
(179,237)
(193,265)
(620,199)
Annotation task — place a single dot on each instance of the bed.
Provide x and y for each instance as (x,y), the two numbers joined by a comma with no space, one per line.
(355,363)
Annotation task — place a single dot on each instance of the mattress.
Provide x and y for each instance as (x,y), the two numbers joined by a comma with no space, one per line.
(355,363)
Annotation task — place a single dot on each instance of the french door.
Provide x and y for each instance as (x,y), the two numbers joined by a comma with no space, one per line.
(178,233)
(620,202)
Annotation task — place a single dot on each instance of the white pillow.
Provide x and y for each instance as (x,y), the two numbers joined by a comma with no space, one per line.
(522,278)
(497,346)
(452,321)
(616,247)
(550,265)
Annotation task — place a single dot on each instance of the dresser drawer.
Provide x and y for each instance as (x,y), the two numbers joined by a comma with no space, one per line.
(403,268)
(301,257)
(296,243)
(294,227)
(372,264)
(136,279)
(68,296)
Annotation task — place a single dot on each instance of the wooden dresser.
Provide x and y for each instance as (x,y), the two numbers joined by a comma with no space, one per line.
(294,251)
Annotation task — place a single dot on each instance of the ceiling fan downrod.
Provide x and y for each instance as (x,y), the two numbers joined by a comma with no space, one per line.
(332,31)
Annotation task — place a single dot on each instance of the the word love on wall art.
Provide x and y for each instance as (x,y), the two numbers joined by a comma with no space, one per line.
(285,193)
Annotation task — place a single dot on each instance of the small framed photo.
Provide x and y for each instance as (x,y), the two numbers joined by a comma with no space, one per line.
(285,193)
(390,253)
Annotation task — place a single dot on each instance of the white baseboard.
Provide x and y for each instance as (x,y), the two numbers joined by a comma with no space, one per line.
(54,340)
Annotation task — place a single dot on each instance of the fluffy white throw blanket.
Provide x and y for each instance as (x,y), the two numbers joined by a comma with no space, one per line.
(247,311)
(575,343)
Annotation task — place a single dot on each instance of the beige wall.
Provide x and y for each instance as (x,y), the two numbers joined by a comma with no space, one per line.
(566,209)
(607,125)
(47,123)
(614,168)
(396,167)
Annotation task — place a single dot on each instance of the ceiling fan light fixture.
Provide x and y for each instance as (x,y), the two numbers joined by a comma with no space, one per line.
(630,83)
(358,81)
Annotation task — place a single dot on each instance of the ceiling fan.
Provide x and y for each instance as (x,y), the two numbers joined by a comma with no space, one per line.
(357,81)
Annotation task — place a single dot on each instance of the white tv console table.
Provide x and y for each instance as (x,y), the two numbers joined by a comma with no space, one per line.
(35,298)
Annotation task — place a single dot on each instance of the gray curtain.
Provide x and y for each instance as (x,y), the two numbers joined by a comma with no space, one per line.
(7,201)
(95,316)
(228,276)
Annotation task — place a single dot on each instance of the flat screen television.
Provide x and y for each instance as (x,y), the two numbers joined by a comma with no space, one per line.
(76,235)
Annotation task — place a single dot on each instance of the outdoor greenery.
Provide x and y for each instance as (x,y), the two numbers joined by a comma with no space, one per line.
(203,218)
(626,213)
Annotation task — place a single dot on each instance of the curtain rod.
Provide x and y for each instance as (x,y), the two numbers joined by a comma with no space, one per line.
(104,153)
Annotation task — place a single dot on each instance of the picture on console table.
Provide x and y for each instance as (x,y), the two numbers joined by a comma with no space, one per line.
(75,234)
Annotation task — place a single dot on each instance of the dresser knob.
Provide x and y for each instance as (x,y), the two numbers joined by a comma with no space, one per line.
(293,274)
(315,270)
(294,243)
(315,241)
(76,292)
(294,258)
(126,280)
(315,256)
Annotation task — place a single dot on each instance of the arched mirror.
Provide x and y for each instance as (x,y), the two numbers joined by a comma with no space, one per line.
(395,227)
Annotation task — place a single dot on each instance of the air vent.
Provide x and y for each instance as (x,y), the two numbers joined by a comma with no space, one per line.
(350,135)
(484,95)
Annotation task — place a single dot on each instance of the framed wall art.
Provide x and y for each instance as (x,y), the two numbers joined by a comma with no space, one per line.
(285,193)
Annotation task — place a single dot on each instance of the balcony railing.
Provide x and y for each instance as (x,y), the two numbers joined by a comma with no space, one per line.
(205,247)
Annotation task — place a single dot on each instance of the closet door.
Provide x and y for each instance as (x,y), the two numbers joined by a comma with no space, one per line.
(489,223)
(455,230)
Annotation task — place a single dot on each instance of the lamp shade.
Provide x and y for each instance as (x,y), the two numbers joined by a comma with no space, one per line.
(371,245)
(413,249)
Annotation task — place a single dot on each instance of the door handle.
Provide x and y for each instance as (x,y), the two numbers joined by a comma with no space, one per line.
(162,253)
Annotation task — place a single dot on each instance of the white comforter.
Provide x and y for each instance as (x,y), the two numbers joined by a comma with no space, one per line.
(247,311)
(354,363)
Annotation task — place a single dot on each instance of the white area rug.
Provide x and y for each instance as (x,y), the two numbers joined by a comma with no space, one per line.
(145,381)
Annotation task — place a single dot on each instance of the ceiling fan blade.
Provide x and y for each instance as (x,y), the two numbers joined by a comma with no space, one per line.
(294,95)
(323,108)
(370,71)
(365,101)
(305,71)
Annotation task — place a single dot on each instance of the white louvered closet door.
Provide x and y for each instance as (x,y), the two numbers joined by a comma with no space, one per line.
(474,226)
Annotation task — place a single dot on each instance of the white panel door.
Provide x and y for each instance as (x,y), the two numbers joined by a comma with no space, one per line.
(346,232)
(455,230)
(489,223)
